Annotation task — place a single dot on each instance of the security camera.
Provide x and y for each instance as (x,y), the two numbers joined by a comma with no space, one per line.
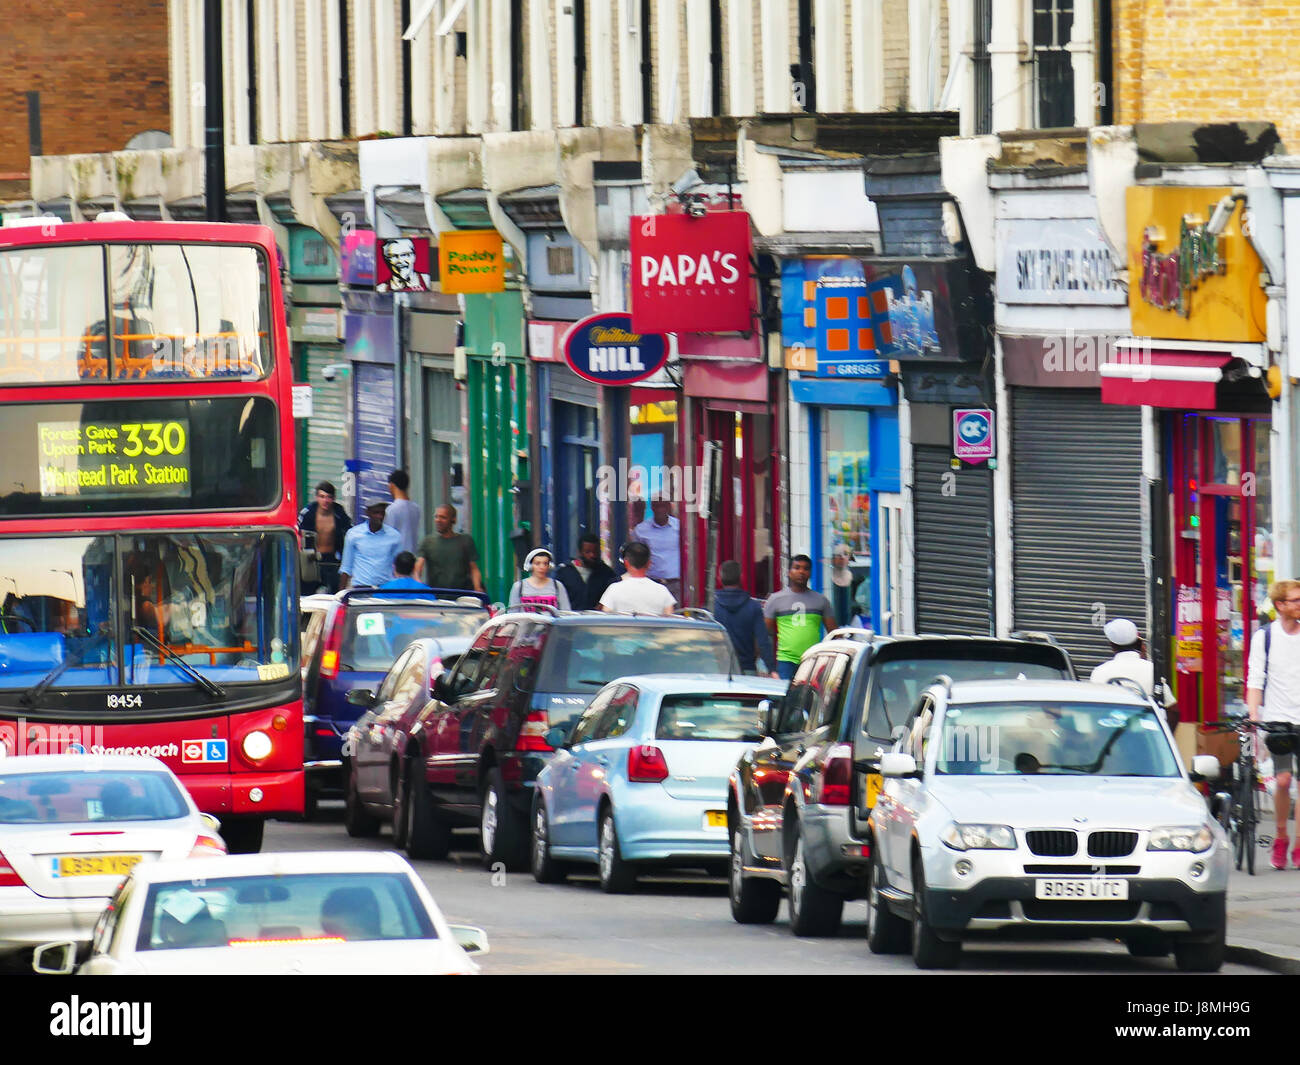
(334,371)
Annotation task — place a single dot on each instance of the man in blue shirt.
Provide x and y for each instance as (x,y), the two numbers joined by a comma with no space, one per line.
(403,567)
(369,550)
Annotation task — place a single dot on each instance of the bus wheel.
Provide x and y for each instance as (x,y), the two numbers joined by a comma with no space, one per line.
(243,835)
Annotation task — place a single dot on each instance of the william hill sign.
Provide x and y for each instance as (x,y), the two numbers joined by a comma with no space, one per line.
(602,348)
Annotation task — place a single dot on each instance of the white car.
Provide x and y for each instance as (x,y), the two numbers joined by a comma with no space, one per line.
(73,825)
(329,913)
(1044,809)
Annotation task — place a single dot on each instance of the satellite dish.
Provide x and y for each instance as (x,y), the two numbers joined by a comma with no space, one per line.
(149,140)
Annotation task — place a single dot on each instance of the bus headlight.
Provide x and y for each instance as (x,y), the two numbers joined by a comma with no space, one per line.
(257,745)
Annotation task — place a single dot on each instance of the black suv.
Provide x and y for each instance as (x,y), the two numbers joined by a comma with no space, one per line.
(475,752)
(797,805)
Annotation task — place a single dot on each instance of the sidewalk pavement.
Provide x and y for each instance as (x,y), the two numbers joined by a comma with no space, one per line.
(1264,916)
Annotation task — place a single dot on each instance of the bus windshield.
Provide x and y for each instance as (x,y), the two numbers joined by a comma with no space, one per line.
(135,610)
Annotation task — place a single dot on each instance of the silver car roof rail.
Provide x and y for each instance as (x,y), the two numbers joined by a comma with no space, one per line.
(849,632)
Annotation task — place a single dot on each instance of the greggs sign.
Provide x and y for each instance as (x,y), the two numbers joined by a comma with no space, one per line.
(692,275)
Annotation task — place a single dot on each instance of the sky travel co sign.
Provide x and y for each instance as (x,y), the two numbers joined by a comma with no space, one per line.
(604,349)
(692,275)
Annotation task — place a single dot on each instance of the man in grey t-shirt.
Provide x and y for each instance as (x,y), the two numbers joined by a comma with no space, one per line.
(403,515)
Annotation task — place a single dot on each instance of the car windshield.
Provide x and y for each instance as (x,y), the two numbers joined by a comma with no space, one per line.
(710,717)
(79,797)
(1039,738)
(584,658)
(897,684)
(375,635)
(95,608)
(260,911)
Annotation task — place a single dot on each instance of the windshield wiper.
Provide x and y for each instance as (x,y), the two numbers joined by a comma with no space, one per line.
(214,690)
(33,694)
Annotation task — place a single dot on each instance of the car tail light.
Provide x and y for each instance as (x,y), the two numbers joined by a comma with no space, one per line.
(9,875)
(646,765)
(207,847)
(836,777)
(532,737)
(329,658)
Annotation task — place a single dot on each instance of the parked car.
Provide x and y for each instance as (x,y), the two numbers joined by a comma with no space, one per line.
(72,825)
(379,740)
(337,914)
(798,804)
(352,644)
(1048,809)
(642,779)
(482,739)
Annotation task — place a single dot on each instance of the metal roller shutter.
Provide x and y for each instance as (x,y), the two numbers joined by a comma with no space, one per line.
(327,426)
(568,387)
(1076,489)
(376,443)
(952,522)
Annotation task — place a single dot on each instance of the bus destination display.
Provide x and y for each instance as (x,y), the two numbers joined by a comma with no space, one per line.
(114,458)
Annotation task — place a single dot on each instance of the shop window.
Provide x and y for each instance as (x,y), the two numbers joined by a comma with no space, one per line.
(846,507)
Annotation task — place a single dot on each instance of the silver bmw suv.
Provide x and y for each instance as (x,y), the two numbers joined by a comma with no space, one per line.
(1044,809)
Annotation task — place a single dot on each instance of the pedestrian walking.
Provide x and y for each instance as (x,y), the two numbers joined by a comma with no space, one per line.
(539,588)
(587,576)
(1273,694)
(636,593)
(327,524)
(403,514)
(662,533)
(742,617)
(795,616)
(369,550)
(448,559)
(403,581)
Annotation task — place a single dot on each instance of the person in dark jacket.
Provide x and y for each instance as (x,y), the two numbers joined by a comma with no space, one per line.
(327,524)
(742,617)
(587,576)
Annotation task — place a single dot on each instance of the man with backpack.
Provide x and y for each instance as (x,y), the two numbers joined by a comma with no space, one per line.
(1273,694)
(742,617)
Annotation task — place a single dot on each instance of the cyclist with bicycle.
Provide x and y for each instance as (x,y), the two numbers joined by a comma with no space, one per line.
(1273,695)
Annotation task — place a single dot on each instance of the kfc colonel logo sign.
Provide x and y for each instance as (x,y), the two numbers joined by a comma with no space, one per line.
(691,275)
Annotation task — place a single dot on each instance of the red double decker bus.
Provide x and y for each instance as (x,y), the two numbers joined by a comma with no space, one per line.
(148,547)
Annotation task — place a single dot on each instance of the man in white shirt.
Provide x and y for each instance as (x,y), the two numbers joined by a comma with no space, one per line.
(636,593)
(662,533)
(1128,659)
(1273,694)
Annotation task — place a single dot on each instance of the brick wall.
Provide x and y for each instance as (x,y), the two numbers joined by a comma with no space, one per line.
(1186,60)
(896,57)
(101,70)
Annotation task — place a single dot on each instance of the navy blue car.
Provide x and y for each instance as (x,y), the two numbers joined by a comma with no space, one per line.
(351,644)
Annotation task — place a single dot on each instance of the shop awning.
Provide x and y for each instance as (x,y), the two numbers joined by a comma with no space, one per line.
(1178,380)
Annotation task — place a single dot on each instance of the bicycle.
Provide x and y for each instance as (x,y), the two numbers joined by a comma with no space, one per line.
(1238,811)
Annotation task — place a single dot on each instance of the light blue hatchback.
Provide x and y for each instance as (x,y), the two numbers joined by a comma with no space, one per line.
(642,778)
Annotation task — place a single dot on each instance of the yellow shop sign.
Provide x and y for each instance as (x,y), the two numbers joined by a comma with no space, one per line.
(471,260)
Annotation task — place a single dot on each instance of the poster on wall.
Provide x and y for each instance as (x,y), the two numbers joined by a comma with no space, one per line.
(403,265)
(1187,626)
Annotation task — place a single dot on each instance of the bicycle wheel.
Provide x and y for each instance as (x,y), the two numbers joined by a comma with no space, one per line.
(1249,817)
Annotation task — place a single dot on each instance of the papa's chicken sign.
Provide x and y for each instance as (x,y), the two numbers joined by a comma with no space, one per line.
(692,275)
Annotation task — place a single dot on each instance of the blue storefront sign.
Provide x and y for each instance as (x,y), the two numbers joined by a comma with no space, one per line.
(603,349)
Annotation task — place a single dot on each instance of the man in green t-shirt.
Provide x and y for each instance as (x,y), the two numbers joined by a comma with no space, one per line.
(795,616)
(448,559)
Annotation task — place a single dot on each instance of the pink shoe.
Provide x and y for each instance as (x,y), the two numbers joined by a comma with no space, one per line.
(1295,854)
(1279,852)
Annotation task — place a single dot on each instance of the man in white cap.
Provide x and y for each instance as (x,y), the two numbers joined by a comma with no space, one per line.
(1128,659)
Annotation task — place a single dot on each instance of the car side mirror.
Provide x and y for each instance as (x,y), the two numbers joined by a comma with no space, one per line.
(309,566)
(769,711)
(896,764)
(362,697)
(1205,767)
(213,824)
(55,959)
(471,940)
(557,737)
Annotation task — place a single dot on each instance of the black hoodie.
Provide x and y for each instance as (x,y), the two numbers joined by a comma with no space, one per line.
(742,617)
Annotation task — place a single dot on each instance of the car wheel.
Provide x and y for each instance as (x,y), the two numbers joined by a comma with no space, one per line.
(1148,945)
(503,838)
(886,931)
(616,876)
(1204,957)
(400,816)
(814,911)
(753,899)
(359,824)
(928,950)
(243,835)
(546,870)
(427,834)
